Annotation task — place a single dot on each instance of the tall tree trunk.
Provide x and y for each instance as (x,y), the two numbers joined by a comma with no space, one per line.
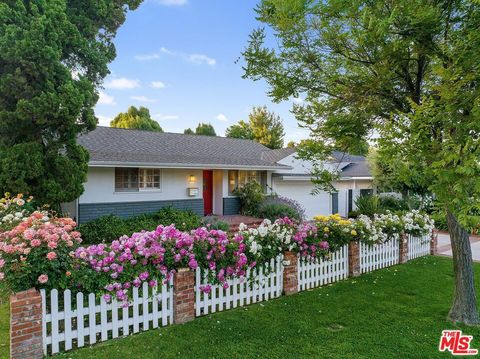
(464,308)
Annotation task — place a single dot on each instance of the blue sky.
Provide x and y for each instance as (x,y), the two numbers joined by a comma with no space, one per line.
(177,57)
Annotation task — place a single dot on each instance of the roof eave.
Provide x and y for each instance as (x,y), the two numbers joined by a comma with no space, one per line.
(184,165)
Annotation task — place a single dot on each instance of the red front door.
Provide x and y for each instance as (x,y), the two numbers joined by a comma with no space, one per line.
(207,192)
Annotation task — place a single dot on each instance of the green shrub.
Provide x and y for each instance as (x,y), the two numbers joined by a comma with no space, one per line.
(102,229)
(213,222)
(108,228)
(185,220)
(250,195)
(393,204)
(353,214)
(368,205)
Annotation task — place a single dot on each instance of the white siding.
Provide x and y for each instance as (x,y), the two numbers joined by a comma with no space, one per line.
(300,191)
(100,186)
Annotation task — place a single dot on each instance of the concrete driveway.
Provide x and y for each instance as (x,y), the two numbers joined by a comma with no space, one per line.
(445,249)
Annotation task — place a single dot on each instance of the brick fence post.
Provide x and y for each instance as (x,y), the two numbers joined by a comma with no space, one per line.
(434,243)
(403,248)
(26,325)
(353,259)
(183,296)
(290,273)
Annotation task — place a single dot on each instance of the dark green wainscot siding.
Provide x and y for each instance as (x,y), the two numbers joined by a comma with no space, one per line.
(231,205)
(89,211)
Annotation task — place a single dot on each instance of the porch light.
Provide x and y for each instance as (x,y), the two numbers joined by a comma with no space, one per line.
(191,178)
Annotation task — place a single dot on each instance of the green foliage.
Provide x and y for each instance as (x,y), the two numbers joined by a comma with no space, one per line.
(368,205)
(263,126)
(240,130)
(213,222)
(53,55)
(204,129)
(408,72)
(250,195)
(393,204)
(136,118)
(108,228)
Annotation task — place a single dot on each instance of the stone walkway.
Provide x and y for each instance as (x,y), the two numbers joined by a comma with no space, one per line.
(445,249)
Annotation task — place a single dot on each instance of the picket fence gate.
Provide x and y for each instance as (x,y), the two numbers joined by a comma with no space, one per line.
(318,272)
(66,325)
(377,256)
(418,246)
(240,292)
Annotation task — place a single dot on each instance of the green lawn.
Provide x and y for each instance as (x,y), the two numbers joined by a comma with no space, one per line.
(398,312)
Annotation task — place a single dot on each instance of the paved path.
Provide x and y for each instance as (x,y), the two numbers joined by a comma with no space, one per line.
(444,247)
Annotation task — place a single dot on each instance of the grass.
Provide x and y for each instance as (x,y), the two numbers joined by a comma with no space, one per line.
(397,312)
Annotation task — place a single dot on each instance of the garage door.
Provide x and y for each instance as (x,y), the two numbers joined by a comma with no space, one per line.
(300,191)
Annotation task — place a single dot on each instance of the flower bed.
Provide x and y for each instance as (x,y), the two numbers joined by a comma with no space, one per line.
(38,249)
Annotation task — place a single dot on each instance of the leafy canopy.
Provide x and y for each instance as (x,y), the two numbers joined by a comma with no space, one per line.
(406,71)
(53,55)
(205,129)
(263,126)
(137,118)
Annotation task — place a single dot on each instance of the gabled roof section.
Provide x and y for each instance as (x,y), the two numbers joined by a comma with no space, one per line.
(350,166)
(125,147)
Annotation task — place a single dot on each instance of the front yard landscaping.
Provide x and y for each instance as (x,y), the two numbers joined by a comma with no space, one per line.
(398,312)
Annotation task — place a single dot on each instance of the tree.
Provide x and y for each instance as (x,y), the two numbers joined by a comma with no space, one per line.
(204,129)
(263,126)
(240,130)
(406,71)
(137,118)
(53,55)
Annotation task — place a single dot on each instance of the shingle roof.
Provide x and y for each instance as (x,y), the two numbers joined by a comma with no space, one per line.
(110,146)
(279,154)
(356,169)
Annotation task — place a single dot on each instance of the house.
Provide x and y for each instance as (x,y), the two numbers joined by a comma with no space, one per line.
(133,172)
(295,182)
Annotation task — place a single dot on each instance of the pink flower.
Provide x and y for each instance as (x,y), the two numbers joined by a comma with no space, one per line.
(2,263)
(35,242)
(2,275)
(42,279)
(51,256)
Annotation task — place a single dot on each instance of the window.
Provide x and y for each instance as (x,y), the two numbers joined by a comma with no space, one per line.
(126,179)
(240,178)
(137,179)
(149,178)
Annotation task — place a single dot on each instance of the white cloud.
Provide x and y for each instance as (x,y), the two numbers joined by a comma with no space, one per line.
(222,117)
(201,59)
(143,99)
(172,2)
(147,57)
(103,120)
(122,83)
(157,84)
(104,99)
(163,117)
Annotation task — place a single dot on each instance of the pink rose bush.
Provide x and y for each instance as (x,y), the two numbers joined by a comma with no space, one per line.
(37,252)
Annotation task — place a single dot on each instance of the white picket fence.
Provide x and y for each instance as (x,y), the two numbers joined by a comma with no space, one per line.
(240,292)
(67,325)
(418,246)
(322,271)
(379,255)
